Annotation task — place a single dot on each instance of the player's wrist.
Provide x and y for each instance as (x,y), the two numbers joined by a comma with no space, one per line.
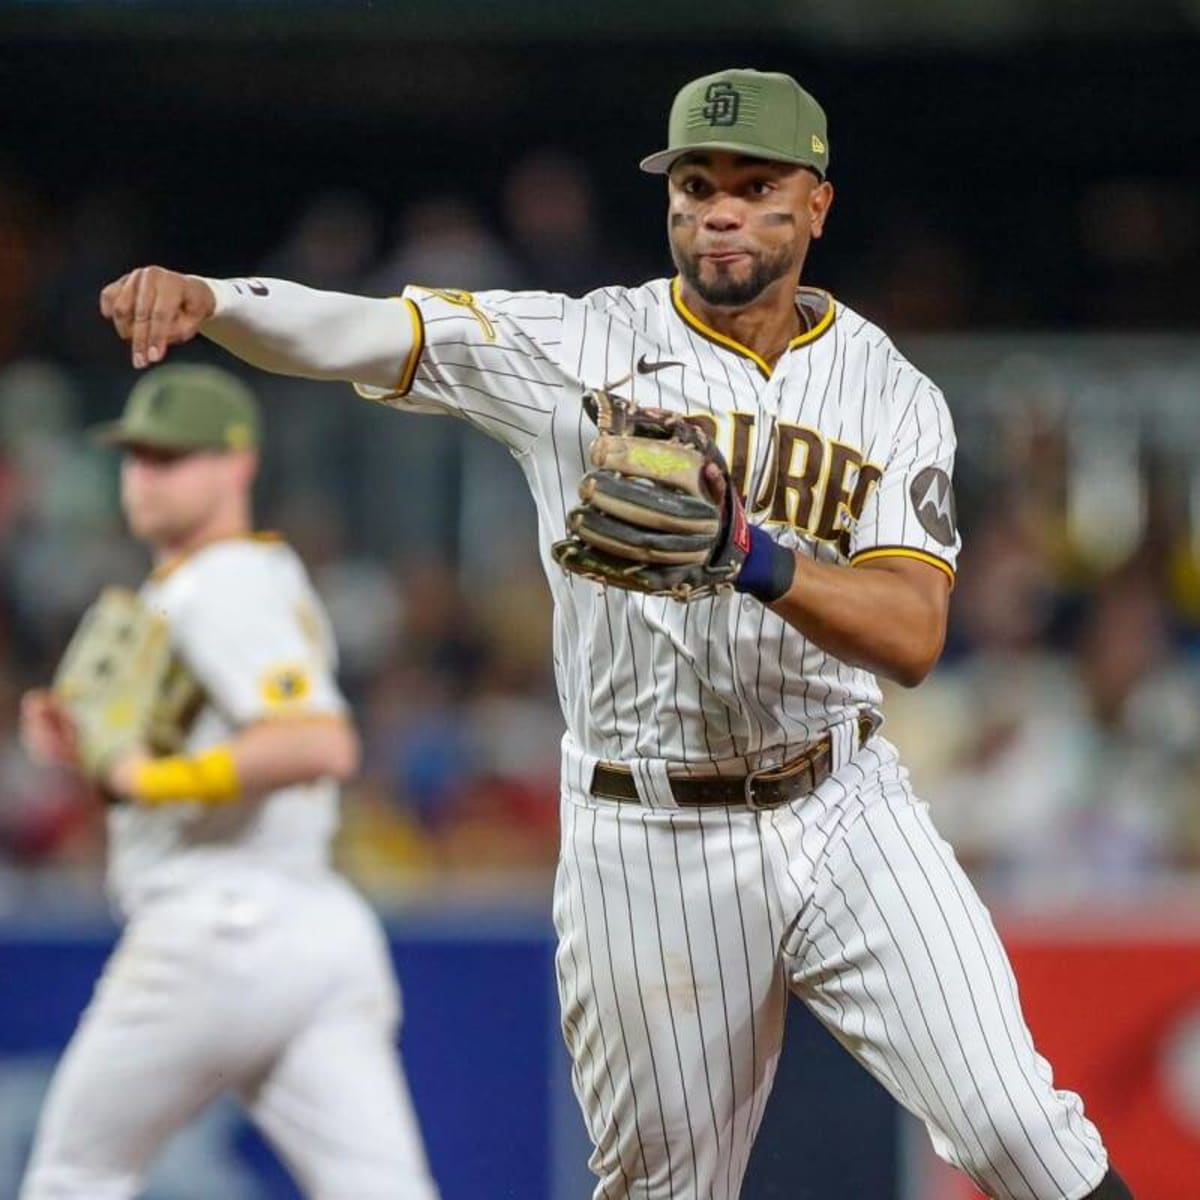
(225,294)
(769,569)
(210,777)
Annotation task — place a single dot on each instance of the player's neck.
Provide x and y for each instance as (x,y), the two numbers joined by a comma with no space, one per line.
(222,527)
(765,326)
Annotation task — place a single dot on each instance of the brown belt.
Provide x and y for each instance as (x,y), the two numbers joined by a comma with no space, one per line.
(763,789)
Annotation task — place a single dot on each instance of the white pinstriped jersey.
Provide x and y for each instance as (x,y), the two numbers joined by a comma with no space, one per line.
(246,621)
(844,451)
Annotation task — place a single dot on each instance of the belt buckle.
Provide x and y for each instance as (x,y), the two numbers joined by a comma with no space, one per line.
(748,790)
(811,757)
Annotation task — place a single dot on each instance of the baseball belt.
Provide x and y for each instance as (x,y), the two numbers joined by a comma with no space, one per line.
(760,790)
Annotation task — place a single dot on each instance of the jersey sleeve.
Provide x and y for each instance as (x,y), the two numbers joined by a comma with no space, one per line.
(910,513)
(259,650)
(489,357)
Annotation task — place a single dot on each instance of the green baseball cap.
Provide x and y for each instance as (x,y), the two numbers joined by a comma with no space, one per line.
(763,114)
(184,407)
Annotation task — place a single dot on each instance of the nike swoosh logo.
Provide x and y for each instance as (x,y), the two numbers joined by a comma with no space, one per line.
(648,368)
(255,286)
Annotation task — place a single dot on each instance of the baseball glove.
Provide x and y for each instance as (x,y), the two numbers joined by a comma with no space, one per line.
(122,685)
(651,520)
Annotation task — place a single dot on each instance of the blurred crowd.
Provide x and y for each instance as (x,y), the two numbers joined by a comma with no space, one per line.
(1058,743)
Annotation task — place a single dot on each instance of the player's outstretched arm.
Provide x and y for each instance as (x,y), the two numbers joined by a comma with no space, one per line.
(263,757)
(272,324)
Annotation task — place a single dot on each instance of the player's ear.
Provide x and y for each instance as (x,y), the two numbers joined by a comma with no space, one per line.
(246,465)
(819,201)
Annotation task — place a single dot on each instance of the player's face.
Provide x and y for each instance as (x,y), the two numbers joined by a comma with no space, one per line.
(737,224)
(168,496)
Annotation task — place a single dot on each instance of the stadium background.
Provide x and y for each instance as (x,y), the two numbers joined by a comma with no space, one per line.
(1018,205)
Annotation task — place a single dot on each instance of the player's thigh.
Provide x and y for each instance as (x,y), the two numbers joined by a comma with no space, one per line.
(137,1068)
(672,999)
(334,1100)
(337,1108)
(898,956)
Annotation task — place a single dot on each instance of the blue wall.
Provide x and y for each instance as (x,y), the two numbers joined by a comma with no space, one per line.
(488,1071)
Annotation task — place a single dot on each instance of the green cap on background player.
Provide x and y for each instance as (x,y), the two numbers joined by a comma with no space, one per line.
(186,407)
(759,113)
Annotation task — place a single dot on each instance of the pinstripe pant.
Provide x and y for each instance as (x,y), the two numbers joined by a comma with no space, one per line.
(681,933)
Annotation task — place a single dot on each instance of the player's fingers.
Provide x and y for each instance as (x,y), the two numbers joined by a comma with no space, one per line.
(59,716)
(120,300)
(143,309)
(166,317)
(714,477)
(157,302)
(37,707)
(109,294)
(37,727)
(62,737)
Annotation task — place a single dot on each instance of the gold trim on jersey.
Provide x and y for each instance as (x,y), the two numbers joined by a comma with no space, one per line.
(811,335)
(902,552)
(171,565)
(409,372)
(414,355)
(298,716)
(803,339)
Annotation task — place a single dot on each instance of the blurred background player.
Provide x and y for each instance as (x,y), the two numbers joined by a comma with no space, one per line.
(247,964)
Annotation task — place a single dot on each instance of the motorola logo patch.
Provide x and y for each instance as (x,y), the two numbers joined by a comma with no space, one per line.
(932,497)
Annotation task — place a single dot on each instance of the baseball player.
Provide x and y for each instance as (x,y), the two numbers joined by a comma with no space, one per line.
(247,965)
(746,516)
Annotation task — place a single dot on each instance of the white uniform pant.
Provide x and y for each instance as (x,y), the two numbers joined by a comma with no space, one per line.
(279,990)
(682,932)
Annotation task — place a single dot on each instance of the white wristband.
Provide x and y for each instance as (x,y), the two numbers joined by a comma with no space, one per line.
(223,291)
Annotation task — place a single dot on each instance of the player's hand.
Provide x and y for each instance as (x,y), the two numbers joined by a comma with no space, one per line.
(153,308)
(715,481)
(47,731)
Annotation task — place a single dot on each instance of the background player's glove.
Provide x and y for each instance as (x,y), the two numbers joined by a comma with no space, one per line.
(121,685)
(659,513)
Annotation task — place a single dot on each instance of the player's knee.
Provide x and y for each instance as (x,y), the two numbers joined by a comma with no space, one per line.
(648,1167)
(1028,1150)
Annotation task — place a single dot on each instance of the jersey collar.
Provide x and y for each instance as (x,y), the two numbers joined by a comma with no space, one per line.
(809,335)
(170,565)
